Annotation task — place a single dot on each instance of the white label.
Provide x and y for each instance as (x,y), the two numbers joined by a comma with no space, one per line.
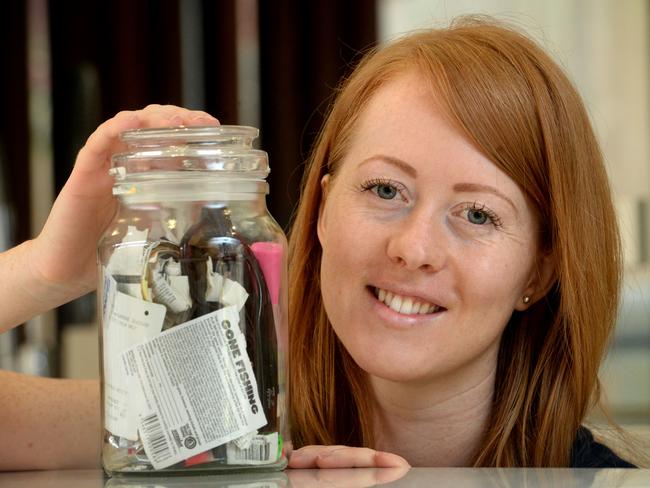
(172,291)
(170,288)
(128,256)
(198,386)
(263,449)
(127,321)
(131,289)
(224,290)
(108,296)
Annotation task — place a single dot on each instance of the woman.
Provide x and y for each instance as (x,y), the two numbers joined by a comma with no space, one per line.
(454,209)
(455,261)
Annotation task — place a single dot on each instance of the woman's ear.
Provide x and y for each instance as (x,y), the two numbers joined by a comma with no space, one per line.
(320,226)
(543,277)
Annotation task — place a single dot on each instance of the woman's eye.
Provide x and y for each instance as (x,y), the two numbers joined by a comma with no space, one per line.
(386,192)
(385,189)
(478,217)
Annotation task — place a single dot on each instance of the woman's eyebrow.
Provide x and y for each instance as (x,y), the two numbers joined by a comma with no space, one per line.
(477,187)
(404,166)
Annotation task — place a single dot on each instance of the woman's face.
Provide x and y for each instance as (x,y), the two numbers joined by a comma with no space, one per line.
(428,247)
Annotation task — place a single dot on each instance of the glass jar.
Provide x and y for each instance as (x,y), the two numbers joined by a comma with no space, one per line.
(193,307)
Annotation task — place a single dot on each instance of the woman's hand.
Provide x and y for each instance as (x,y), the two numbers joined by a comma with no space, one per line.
(65,251)
(344,457)
(60,264)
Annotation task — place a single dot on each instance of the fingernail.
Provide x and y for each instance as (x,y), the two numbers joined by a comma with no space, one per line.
(387,459)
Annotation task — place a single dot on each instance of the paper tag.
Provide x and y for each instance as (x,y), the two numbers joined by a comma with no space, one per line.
(262,449)
(127,321)
(224,290)
(244,441)
(128,257)
(108,296)
(198,385)
(131,289)
(172,291)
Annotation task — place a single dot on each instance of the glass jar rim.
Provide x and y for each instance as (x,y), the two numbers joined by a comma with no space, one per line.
(225,149)
(213,133)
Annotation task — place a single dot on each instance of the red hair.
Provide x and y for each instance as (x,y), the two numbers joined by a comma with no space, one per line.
(514,103)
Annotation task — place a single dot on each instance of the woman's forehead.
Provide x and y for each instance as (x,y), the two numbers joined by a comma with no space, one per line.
(404,121)
(406,103)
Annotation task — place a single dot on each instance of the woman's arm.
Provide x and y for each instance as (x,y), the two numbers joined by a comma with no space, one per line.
(48,423)
(60,264)
(53,423)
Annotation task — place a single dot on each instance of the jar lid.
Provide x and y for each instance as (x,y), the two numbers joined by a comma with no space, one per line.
(225,148)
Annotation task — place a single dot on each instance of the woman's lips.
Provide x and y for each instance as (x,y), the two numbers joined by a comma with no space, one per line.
(405,304)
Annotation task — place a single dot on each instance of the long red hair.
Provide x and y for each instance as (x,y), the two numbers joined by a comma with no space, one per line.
(514,103)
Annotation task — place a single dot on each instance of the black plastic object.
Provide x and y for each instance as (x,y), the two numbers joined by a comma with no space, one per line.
(214,236)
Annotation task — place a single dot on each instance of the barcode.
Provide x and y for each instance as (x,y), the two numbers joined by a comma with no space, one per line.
(259,450)
(154,439)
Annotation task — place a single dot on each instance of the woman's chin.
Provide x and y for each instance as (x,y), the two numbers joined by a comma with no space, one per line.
(399,371)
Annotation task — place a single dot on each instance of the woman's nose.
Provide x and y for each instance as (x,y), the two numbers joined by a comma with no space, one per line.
(414,244)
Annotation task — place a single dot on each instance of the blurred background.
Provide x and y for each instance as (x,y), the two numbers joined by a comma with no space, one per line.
(70,65)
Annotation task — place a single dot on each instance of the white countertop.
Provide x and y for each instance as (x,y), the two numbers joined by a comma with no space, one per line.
(349,478)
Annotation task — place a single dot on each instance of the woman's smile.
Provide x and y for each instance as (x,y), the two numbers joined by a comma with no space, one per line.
(402,310)
(406,304)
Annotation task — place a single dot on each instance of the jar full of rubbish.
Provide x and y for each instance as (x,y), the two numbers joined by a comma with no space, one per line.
(192,303)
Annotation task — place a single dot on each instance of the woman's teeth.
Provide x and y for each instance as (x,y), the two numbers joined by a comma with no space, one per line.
(405,305)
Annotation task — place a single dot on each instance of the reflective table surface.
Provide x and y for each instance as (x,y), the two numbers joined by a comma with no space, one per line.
(348,478)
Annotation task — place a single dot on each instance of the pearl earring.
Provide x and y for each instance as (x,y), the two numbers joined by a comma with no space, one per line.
(526,299)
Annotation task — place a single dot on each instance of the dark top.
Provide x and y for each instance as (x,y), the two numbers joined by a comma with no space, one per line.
(587,453)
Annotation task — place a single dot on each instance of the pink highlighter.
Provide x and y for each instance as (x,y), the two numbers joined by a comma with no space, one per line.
(269,255)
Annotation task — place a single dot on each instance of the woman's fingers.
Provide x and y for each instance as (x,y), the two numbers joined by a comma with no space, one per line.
(389,460)
(90,176)
(100,144)
(359,457)
(343,457)
(65,249)
(104,141)
(170,116)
